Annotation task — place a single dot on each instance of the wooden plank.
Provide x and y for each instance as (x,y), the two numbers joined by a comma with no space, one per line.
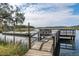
(32,52)
(37,45)
(47,46)
(65,38)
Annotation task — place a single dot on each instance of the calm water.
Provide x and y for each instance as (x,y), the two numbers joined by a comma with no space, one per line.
(9,38)
(66,52)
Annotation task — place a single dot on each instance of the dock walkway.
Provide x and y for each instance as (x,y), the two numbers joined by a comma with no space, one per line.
(41,49)
(46,47)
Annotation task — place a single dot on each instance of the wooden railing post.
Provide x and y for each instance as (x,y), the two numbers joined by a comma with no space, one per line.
(39,36)
(14,33)
(29,35)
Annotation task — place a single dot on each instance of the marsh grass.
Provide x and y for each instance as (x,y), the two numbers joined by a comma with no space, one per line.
(7,49)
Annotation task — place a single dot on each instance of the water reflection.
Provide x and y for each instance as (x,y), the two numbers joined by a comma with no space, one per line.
(23,40)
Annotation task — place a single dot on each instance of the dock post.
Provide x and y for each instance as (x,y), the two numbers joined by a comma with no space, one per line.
(73,45)
(29,35)
(14,33)
(38,36)
(56,44)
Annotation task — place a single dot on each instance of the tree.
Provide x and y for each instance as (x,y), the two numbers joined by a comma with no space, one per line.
(19,16)
(5,14)
(7,11)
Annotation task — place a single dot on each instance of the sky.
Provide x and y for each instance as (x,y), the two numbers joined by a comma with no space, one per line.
(51,14)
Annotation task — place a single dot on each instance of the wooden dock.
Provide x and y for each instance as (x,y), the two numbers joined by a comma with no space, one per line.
(67,36)
(47,46)
(48,42)
(40,49)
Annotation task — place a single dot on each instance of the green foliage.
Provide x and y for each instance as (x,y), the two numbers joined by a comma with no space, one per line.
(19,18)
(74,28)
(22,26)
(22,30)
(0,30)
(7,11)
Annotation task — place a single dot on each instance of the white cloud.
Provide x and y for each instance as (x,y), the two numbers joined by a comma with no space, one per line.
(44,18)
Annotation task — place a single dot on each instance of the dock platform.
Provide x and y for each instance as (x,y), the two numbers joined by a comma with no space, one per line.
(67,37)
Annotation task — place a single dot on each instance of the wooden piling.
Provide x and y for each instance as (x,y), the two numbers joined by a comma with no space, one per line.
(14,33)
(39,36)
(29,35)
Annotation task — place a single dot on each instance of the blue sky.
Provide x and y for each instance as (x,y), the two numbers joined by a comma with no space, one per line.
(52,14)
(75,9)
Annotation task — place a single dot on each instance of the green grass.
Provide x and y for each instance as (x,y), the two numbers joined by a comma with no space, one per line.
(74,28)
(22,29)
(7,49)
(19,29)
(0,30)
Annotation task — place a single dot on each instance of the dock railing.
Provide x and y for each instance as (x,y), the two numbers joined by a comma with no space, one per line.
(54,34)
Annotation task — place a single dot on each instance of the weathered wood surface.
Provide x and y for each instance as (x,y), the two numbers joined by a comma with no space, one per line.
(67,32)
(43,47)
(37,45)
(44,51)
(32,52)
(67,37)
(46,46)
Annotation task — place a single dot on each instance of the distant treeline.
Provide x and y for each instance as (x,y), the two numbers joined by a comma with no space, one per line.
(61,27)
(74,27)
(23,26)
(17,28)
